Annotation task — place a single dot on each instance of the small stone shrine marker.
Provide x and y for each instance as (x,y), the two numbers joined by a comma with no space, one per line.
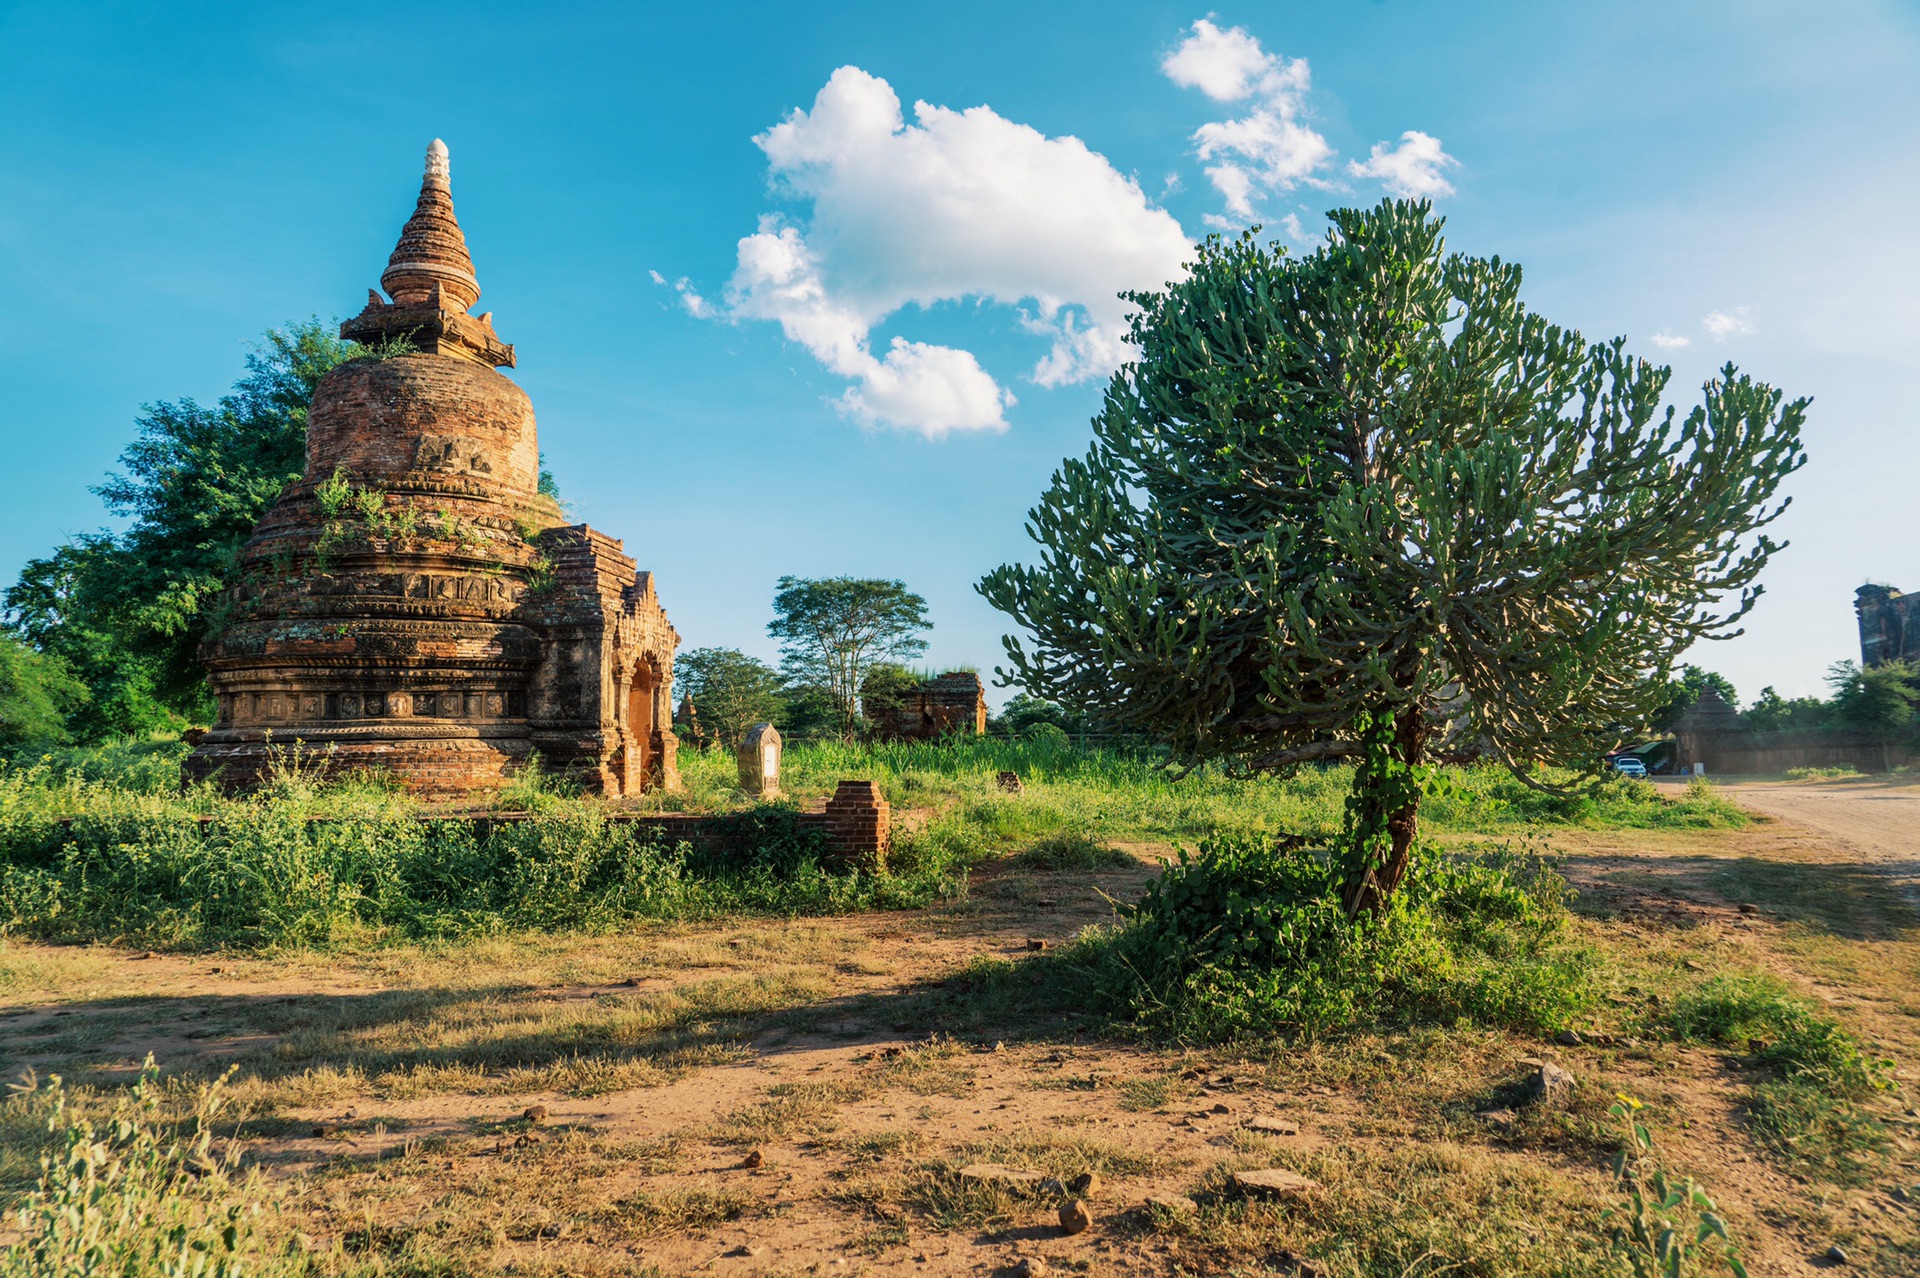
(759,758)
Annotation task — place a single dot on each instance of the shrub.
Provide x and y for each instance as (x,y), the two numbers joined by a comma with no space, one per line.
(1757,1011)
(1249,936)
(1823,774)
(1810,1113)
(1072,850)
(138,1195)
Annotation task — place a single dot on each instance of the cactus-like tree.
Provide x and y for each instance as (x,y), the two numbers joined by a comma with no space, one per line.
(1364,503)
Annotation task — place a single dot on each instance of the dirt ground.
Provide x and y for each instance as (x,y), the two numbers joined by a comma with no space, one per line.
(804,1096)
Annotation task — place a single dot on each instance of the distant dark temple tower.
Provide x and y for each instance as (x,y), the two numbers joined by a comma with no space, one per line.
(414,604)
(1889,625)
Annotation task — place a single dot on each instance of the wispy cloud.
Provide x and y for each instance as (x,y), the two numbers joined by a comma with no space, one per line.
(696,305)
(1721,325)
(1268,148)
(1669,341)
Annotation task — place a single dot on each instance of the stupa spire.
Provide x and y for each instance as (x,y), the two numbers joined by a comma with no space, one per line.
(430,279)
(431,249)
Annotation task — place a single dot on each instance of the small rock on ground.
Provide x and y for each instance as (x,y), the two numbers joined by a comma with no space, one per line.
(1274,1180)
(535,1113)
(1549,1083)
(1086,1184)
(1176,1204)
(1837,1255)
(1075,1217)
(1501,1118)
(1273,1126)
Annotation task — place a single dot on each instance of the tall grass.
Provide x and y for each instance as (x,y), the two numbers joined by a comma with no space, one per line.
(138,1192)
(105,843)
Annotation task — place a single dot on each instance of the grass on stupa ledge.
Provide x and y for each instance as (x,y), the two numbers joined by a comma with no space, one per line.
(105,844)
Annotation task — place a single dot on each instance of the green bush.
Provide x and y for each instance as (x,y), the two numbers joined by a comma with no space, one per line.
(1248,936)
(1758,1012)
(141,1194)
(1811,1113)
(303,864)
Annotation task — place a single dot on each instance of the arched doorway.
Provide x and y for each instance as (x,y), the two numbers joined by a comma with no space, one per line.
(643,690)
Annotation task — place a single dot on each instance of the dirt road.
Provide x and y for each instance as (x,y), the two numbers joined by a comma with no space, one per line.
(1876,819)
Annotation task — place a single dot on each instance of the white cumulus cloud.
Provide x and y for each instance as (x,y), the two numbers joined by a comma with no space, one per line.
(1721,325)
(1270,148)
(1411,169)
(1670,341)
(954,205)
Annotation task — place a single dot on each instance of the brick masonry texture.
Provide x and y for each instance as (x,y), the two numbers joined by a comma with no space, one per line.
(413,605)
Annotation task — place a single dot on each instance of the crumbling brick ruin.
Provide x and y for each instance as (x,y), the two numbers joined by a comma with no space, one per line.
(953,702)
(414,604)
(1889,625)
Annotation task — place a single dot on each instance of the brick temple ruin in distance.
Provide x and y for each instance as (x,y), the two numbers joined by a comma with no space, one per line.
(414,604)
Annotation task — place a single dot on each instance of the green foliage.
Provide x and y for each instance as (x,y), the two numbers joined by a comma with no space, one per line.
(1369,483)
(1250,936)
(1785,1033)
(1687,689)
(1072,850)
(1811,1112)
(141,1194)
(1771,712)
(730,691)
(37,695)
(833,630)
(1025,712)
(127,611)
(1667,1226)
(1881,701)
(309,864)
(885,691)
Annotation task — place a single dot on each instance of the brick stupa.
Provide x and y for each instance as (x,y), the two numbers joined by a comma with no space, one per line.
(414,604)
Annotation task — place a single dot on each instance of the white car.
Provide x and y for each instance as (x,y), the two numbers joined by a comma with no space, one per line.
(1628,766)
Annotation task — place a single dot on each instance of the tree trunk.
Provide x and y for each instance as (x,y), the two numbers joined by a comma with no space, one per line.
(1371,887)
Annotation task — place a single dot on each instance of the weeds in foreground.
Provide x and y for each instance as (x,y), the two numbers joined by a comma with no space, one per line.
(1247,937)
(1811,1113)
(131,1199)
(1651,1227)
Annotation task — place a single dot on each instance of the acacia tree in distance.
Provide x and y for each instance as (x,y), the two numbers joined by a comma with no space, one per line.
(832,630)
(730,690)
(1364,503)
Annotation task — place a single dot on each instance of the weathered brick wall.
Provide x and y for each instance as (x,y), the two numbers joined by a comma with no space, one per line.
(427,414)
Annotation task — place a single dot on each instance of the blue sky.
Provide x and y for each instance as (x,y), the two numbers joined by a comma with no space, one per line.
(890,331)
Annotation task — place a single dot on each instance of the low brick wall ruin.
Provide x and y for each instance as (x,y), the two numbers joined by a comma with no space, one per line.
(855,826)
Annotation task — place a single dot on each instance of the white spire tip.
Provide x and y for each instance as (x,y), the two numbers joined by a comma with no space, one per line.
(437,163)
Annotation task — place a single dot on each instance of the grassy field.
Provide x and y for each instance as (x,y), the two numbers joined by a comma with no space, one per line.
(727,1073)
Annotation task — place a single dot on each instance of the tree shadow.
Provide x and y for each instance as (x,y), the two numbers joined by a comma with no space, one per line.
(1851,900)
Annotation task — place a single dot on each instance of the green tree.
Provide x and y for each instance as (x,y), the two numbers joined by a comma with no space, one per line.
(1365,504)
(1025,712)
(885,691)
(37,693)
(1771,712)
(833,630)
(730,690)
(1880,700)
(1687,689)
(127,611)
